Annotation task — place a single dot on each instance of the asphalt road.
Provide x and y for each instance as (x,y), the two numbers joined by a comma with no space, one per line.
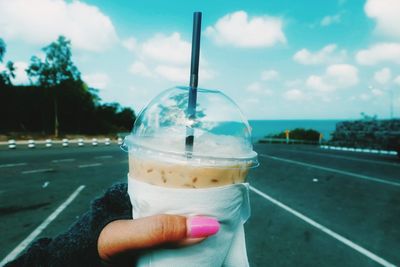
(310,207)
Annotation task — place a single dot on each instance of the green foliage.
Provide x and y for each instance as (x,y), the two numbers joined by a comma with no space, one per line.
(368,133)
(2,49)
(58,97)
(57,65)
(300,134)
(366,117)
(9,73)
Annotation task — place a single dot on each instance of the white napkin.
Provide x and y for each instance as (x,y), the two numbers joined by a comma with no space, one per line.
(228,204)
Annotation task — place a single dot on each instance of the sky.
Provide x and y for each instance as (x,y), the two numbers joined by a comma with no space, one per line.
(278,59)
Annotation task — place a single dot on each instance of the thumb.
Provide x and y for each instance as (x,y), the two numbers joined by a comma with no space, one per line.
(123,236)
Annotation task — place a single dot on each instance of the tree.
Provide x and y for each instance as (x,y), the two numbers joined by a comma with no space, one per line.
(2,49)
(9,73)
(56,68)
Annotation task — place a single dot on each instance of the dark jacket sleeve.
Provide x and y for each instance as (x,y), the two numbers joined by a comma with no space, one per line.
(78,245)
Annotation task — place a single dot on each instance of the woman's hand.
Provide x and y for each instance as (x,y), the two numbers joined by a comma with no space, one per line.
(121,238)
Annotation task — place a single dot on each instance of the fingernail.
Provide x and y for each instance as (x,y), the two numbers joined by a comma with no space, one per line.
(200,226)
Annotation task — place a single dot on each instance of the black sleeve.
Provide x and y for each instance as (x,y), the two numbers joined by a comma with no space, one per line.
(78,246)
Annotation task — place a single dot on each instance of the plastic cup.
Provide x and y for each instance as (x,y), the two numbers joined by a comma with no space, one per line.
(222,149)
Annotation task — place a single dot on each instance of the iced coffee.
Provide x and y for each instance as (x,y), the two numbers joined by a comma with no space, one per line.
(209,180)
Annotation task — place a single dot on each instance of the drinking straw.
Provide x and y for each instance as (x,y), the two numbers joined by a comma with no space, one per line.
(194,79)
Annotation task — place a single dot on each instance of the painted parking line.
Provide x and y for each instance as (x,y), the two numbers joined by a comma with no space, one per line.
(324,229)
(89,165)
(104,157)
(62,160)
(37,171)
(16,251)
(12,165)
(344,157)
(360,176)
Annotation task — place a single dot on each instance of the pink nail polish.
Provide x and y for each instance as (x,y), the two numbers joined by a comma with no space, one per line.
(199,226)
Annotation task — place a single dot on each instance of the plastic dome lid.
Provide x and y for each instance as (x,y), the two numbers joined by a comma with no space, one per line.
(222,136)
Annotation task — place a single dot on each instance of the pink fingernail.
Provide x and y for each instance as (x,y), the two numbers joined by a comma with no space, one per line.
(199,226)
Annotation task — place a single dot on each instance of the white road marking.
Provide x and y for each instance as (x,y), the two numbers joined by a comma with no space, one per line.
(360,176)
(89,165)
(344,157)
(104,157)
(12,165)
(324,229)
(62,160)
(16,251)
(37,171)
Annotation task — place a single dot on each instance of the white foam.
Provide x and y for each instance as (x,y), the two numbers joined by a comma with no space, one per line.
(205,144)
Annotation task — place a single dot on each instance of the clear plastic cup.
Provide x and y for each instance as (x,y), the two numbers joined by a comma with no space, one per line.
(222,150)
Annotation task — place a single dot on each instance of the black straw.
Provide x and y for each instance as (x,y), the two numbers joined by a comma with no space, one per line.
(194,79)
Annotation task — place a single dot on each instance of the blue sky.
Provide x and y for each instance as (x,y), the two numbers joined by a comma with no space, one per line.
(281,59)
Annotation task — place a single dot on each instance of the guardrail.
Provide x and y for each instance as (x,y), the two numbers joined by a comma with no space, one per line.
(363,150)
(13,144)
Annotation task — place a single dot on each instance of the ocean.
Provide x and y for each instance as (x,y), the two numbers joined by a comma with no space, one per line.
(261,128)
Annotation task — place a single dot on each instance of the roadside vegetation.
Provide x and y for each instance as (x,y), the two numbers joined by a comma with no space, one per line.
(299,134)
(56,102)
(368,132)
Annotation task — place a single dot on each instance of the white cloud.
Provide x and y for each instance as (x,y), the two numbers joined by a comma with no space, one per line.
(97,80)
(252,101)
(343,75)
(377,92)
(21,77)
(318,83)
(268,75)
(174,74)
(397,80)
(336,77)
(294,83)
(168,49)
(386,14)
(257,88)
(383,76)
(328,54)
(41,22)
(294,94)
(328,20)
(140,68)
(240,30)
(167,57)
(378,53)
(365,97)
(130,43)
(254,87)
(205,74)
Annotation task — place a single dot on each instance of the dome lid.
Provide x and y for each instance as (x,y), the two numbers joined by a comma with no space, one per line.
(222,136)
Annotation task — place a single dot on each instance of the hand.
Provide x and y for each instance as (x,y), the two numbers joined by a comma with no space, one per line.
(120,238)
